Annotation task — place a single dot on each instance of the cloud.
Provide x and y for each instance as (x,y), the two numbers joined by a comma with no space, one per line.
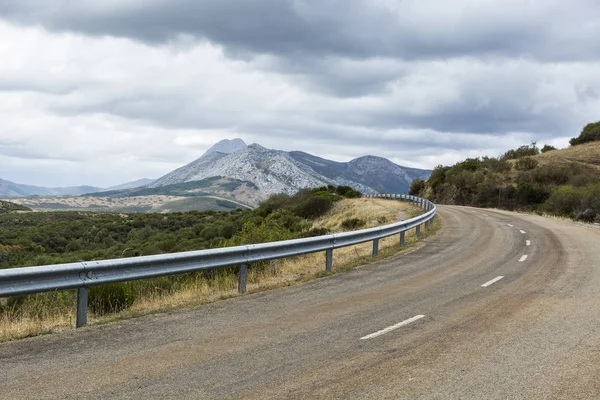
(101,92)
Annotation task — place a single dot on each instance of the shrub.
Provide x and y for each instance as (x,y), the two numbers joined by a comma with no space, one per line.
(547,148)
(550,175)
(348,192)
(417,187)
(565,200)
(495,165)
(314,206)
(353,223)
(590,133)
(523,151)
(531,195)
(526,164)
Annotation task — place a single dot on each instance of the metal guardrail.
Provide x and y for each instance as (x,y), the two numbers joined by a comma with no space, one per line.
(82,275)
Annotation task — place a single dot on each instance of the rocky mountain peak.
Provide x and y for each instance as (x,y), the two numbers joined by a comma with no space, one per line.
(227,146)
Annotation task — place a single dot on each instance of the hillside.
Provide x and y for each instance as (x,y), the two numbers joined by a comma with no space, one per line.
(7,207)
(587,154)
(560,182)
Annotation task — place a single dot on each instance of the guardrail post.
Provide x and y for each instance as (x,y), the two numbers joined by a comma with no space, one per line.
(82,306)
(401,239)
(328,260)
(375,247)
(243,278)
(418,233)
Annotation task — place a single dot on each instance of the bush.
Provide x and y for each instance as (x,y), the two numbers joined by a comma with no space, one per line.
(494,165)
(314,206)
(348,192)
(417,187)
(531,195)
(353,223)
(526,164)
(547,148)
(590,133)
(523,151)
(565,200)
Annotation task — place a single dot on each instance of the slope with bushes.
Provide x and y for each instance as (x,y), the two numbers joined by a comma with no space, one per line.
(559,182)
(8,207)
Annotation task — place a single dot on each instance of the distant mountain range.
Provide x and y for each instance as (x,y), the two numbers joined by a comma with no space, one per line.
(10,189)
(234,171)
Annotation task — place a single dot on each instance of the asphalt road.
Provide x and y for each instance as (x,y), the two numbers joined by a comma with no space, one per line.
(455,329)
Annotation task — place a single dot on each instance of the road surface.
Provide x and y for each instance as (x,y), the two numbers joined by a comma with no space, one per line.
(498,305)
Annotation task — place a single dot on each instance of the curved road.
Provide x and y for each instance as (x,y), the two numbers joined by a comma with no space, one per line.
(465,315)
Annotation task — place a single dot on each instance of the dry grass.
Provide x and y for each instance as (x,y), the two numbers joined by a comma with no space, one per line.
(275,274)
(587,154)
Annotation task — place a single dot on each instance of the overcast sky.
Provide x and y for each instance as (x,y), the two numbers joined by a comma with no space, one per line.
(101,92)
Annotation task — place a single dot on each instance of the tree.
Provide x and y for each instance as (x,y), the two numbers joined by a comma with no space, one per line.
(590,133)
(417,187)
(547,148)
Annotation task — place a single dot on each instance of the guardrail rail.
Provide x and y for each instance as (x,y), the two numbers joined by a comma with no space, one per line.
(83,275)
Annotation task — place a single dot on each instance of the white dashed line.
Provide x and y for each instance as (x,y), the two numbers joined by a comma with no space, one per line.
(393,327)
(492,281)
(522,231)
(512,226)
(528,242)
(523,258)
(485,215)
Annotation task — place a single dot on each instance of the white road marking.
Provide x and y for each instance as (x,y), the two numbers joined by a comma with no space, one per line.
(512,226)
(393,327)
(523,258)
(522,231)
(528,242)
(485,215)
(492,281)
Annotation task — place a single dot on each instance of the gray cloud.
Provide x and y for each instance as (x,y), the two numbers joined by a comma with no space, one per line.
(410,29)
(145,86)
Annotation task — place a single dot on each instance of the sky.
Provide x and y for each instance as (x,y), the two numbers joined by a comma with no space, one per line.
(101,92)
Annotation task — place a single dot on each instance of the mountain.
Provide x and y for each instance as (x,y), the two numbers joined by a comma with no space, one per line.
(11,189)
(274,171)
(132,185)
(227,146)
(378,173)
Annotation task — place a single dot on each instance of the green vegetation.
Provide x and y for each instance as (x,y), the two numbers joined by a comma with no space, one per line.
(8,207)
(353,223)
(523,179)
(64,237)
(590,133)
(416,187)
(547,148)
(526,150)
